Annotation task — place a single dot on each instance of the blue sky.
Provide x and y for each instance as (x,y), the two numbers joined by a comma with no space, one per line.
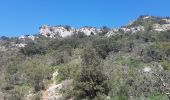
(19,17)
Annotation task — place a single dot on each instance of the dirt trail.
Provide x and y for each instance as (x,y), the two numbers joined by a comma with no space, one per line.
(53,91)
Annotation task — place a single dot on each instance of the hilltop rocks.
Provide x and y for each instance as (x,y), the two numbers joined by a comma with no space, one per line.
(31,37)
(159,28)
(64,31)
(162,27)
(158,24)
(89,30)
(125,30)
(133,29)
(55,31)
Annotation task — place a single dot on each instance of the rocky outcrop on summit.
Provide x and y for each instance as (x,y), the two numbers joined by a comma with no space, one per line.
(56,31)
(159,28)
(162,27)
(89,30)
(64,31)
(158,24)
(27,37)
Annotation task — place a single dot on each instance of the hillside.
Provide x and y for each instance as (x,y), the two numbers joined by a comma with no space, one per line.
(66,63)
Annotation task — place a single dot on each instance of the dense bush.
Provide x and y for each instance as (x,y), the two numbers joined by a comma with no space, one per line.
(92,82)
(33,49)
(164,36)
(104,46)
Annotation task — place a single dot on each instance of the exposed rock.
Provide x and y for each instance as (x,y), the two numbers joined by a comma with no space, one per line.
(126,30)
(21,37)
(27,37)
(112,32)
(146,17)
(63,31)
(20,45)
(133,29)
(55,31)
(158,23)
(147,69)
(89,30)
(167,21)
(31,37)
(159,28)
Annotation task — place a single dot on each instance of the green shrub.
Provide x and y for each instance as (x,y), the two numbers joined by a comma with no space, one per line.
(157,96)
(166,65)
(67,71)
(104,30)
(123,93)
(33,49)
(104,46)
(92,81)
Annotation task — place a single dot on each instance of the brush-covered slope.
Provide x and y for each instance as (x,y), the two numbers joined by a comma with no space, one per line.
(128,63)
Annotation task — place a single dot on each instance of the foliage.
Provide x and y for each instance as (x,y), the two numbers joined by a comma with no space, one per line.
(96,66)
(104,30)
(67,71)
(123,93)
(36,72)
(91,82)
(104,46)
(33,49)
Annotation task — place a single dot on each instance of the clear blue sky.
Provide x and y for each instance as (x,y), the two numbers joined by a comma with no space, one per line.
(19,17)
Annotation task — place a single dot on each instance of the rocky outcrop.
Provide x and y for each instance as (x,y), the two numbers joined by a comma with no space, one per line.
(125,30)
(31,37)
(159,28)
(64,31)
(20,45)
(158,23)
(89,30)
(133,29)
(56,31)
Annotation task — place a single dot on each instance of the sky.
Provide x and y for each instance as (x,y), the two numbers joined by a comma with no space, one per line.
(19,17)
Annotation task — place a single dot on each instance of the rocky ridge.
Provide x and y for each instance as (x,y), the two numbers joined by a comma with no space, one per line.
(63,31)
(157,24)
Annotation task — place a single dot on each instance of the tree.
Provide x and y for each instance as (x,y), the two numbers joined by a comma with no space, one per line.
(67,27)
(92,82)
(4,38)
(104,30)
